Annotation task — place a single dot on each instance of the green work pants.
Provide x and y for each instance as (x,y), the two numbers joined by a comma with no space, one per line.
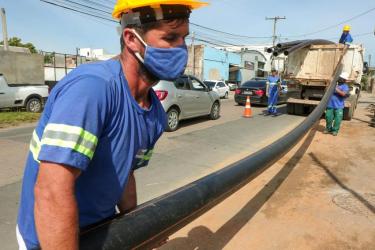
(333,119)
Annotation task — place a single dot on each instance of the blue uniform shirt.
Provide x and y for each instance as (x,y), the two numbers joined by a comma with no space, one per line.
(273,80)
(346,38)
(91,122)
(337,101)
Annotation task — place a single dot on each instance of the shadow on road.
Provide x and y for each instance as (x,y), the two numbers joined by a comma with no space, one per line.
(202,237)
(342,185)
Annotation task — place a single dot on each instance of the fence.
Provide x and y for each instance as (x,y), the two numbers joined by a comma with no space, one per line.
(57,65)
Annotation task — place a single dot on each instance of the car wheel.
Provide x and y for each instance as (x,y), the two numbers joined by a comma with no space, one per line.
(34,105)
(173,120)
(226,95)
(215,111)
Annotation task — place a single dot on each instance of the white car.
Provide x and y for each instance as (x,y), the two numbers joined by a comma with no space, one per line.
(219,87)
(32,97)
(187,97)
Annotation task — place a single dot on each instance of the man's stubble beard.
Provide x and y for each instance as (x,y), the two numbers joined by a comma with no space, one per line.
(146,75)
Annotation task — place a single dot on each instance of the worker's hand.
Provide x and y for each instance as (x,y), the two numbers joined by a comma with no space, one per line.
(337,89)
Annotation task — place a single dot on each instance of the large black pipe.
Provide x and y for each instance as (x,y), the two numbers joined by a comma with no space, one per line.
(269,50)
(159,218)
(290,44)
(306,44)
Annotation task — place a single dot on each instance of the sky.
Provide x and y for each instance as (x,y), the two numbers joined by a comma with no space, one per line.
(51,28)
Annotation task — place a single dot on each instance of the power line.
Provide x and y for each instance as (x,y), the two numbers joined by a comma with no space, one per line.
(335,25)
(231,34)
(89,7)
(78,11)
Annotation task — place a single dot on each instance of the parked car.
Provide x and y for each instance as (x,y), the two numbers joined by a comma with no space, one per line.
(257,92)
(219,87)
(258,78)
(187,97)
(32,97)
(232,86)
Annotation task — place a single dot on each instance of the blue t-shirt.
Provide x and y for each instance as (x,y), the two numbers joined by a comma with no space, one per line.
(346,38)
(273,80)
(337,101)
(91,122)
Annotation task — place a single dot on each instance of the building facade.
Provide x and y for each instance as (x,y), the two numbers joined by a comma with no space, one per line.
(230,64)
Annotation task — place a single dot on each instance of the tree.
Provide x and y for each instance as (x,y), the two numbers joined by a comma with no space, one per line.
(17,42)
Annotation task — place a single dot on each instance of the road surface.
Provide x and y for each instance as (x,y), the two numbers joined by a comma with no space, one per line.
(199,147)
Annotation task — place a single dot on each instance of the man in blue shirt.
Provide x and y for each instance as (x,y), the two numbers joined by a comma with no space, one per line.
(272,92)
(101,122)
(335,107)
(346,38)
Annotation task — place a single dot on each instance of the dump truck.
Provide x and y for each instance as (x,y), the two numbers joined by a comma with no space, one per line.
(309,71)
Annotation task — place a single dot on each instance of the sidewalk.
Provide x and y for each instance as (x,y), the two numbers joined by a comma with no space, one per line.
(321,195)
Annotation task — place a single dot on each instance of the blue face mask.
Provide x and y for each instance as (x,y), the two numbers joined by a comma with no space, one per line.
(165,64)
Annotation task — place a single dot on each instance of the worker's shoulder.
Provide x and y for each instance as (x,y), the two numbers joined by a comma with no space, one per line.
(99,78)
(104,70)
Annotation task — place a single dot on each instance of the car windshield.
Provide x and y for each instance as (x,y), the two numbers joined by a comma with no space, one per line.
(209,83)
(254,84)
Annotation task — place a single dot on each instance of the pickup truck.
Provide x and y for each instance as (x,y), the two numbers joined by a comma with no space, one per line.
(31,97)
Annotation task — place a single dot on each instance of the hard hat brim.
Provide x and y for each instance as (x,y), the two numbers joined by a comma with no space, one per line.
(126,7)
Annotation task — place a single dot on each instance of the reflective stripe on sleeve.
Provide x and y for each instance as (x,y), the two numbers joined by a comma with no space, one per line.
(35,146)
(72,137)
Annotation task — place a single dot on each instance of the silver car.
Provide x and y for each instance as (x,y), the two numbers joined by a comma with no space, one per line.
(187,97)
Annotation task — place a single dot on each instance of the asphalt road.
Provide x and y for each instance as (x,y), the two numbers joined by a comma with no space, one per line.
(199,147)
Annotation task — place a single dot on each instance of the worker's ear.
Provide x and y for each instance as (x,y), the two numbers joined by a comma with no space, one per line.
(131,41)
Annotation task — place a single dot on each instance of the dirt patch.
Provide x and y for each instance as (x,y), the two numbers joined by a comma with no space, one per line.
(319,196)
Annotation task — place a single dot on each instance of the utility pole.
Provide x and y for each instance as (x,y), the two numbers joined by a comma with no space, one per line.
(193,51)
(5,32)
(275,19)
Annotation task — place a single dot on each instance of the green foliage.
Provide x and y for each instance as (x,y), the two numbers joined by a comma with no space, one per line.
(49,58)
(17,42)
(15,118)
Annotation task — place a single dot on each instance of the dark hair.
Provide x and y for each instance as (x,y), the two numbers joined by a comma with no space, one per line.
(144,28)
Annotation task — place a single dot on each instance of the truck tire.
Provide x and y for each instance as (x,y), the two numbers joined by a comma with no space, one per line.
(349,112)
(290,108)
(34,105)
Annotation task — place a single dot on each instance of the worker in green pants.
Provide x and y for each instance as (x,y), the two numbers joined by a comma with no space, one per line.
(335,107)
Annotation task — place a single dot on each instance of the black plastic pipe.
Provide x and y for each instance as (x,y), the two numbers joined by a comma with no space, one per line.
(290,44)
(306,44)
(161,217)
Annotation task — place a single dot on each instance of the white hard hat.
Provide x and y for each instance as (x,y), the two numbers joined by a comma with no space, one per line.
(344,75)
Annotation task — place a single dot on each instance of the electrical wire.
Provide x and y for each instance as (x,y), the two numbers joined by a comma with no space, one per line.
(335,25)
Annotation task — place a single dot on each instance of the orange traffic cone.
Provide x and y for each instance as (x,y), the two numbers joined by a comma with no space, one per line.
(247,112)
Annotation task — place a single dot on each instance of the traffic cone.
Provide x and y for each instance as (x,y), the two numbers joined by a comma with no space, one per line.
(247,112)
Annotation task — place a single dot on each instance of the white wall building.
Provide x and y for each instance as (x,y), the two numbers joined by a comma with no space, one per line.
(96,54)
(278,61)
